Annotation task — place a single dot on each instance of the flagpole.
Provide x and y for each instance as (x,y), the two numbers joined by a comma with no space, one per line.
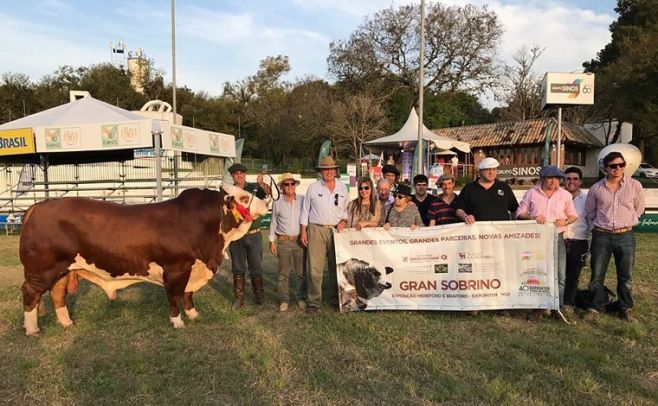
(419,145)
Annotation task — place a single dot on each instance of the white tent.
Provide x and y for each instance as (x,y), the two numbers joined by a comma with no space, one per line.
(87,124)
(408,135)
(86,130)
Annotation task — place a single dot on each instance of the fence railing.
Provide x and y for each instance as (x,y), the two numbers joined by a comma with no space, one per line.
(131,181)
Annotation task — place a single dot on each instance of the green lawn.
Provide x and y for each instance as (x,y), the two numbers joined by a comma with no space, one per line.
(126,352)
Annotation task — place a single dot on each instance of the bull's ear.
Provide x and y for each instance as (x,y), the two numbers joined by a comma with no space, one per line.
(388,270)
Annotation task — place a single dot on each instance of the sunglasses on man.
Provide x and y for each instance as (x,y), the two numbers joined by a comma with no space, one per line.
(617,166)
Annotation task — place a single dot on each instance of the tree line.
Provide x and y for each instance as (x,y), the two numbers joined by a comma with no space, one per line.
(375,84)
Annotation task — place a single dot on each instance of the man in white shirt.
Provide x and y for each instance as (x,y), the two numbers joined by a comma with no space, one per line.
(324,209)
(575,237)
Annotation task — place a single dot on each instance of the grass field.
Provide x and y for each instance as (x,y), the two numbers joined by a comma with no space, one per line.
(126,352)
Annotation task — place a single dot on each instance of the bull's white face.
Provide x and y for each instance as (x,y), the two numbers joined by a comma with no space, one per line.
(256,206)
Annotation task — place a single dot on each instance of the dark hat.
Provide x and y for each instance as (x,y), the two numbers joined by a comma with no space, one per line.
(551,171)
(403,189)
(390,169)
(237,167)
(327,163)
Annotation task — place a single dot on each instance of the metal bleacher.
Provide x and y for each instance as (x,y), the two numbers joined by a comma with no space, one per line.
(128,182)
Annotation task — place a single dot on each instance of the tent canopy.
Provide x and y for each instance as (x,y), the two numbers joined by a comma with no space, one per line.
(78,113)
(409,134)
(81,111)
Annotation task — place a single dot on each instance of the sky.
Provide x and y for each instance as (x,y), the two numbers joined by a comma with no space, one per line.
(224,40)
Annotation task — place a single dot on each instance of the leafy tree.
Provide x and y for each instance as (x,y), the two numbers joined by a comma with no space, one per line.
(17,97)
(460,50)
(627,72)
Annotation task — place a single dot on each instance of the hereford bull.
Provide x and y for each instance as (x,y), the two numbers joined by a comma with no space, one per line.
(177,244)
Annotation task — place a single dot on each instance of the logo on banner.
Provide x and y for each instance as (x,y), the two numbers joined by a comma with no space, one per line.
(190,139)
(53,138)
(129,135)
(176,137)
(214,143)
(534,283)
(110,135)
(464,268)
(475,255)
(440,268)
(532,255)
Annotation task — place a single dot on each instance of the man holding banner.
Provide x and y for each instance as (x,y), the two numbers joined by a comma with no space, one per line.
(547,202)
(486,198)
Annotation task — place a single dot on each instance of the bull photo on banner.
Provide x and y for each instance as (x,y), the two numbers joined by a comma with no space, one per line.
(481,266)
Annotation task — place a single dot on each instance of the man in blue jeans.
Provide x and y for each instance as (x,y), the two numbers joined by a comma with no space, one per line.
(247,252)
(613,206)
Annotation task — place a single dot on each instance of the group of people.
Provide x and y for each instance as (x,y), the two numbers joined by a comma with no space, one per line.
(302,226)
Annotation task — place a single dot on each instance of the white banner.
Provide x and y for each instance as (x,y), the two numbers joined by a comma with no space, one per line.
(94,136)
(188,139)
(486,265)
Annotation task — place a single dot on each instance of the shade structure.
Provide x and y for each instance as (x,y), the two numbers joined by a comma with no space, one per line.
(408,135)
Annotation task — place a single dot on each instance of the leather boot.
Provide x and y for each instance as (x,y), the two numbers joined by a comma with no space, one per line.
(238,291)
(259,293)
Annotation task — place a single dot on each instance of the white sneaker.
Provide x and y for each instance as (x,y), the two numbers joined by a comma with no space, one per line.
(301,304)
(283,307)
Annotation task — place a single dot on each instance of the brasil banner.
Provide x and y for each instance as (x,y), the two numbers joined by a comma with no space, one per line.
(481,266)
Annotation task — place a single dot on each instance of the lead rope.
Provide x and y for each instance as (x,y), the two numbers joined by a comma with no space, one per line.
(273,187)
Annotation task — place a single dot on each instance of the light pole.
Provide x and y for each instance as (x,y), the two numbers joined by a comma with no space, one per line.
(419,145)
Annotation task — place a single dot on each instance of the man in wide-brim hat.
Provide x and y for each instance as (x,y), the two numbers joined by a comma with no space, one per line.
(324,209)
(285,243)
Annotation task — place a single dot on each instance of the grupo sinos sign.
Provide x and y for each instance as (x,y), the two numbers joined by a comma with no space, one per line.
(567,88)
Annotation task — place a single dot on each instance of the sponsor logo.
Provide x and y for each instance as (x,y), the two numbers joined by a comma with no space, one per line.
(213,139)
(440,268)
(176,137)
(15,142)
(465,267)
(110,135)
(190,139)
(53,138)
(573,89)
(533,286)
(128,135)
(475,255)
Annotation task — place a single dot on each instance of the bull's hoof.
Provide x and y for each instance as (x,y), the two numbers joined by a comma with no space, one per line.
(192,313)
(67,323)
(63,316)
(177,321)
(32,333)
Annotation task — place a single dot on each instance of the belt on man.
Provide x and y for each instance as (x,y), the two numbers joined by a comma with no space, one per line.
(254,231)
(324,225)
(613,230)
(287,237)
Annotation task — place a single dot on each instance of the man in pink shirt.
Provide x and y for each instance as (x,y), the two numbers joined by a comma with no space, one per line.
(547,202)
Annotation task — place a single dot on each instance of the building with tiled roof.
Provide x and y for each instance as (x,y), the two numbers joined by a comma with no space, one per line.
(520,145)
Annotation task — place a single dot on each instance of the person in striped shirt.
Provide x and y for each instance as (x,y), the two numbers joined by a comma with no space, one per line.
(613,206)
